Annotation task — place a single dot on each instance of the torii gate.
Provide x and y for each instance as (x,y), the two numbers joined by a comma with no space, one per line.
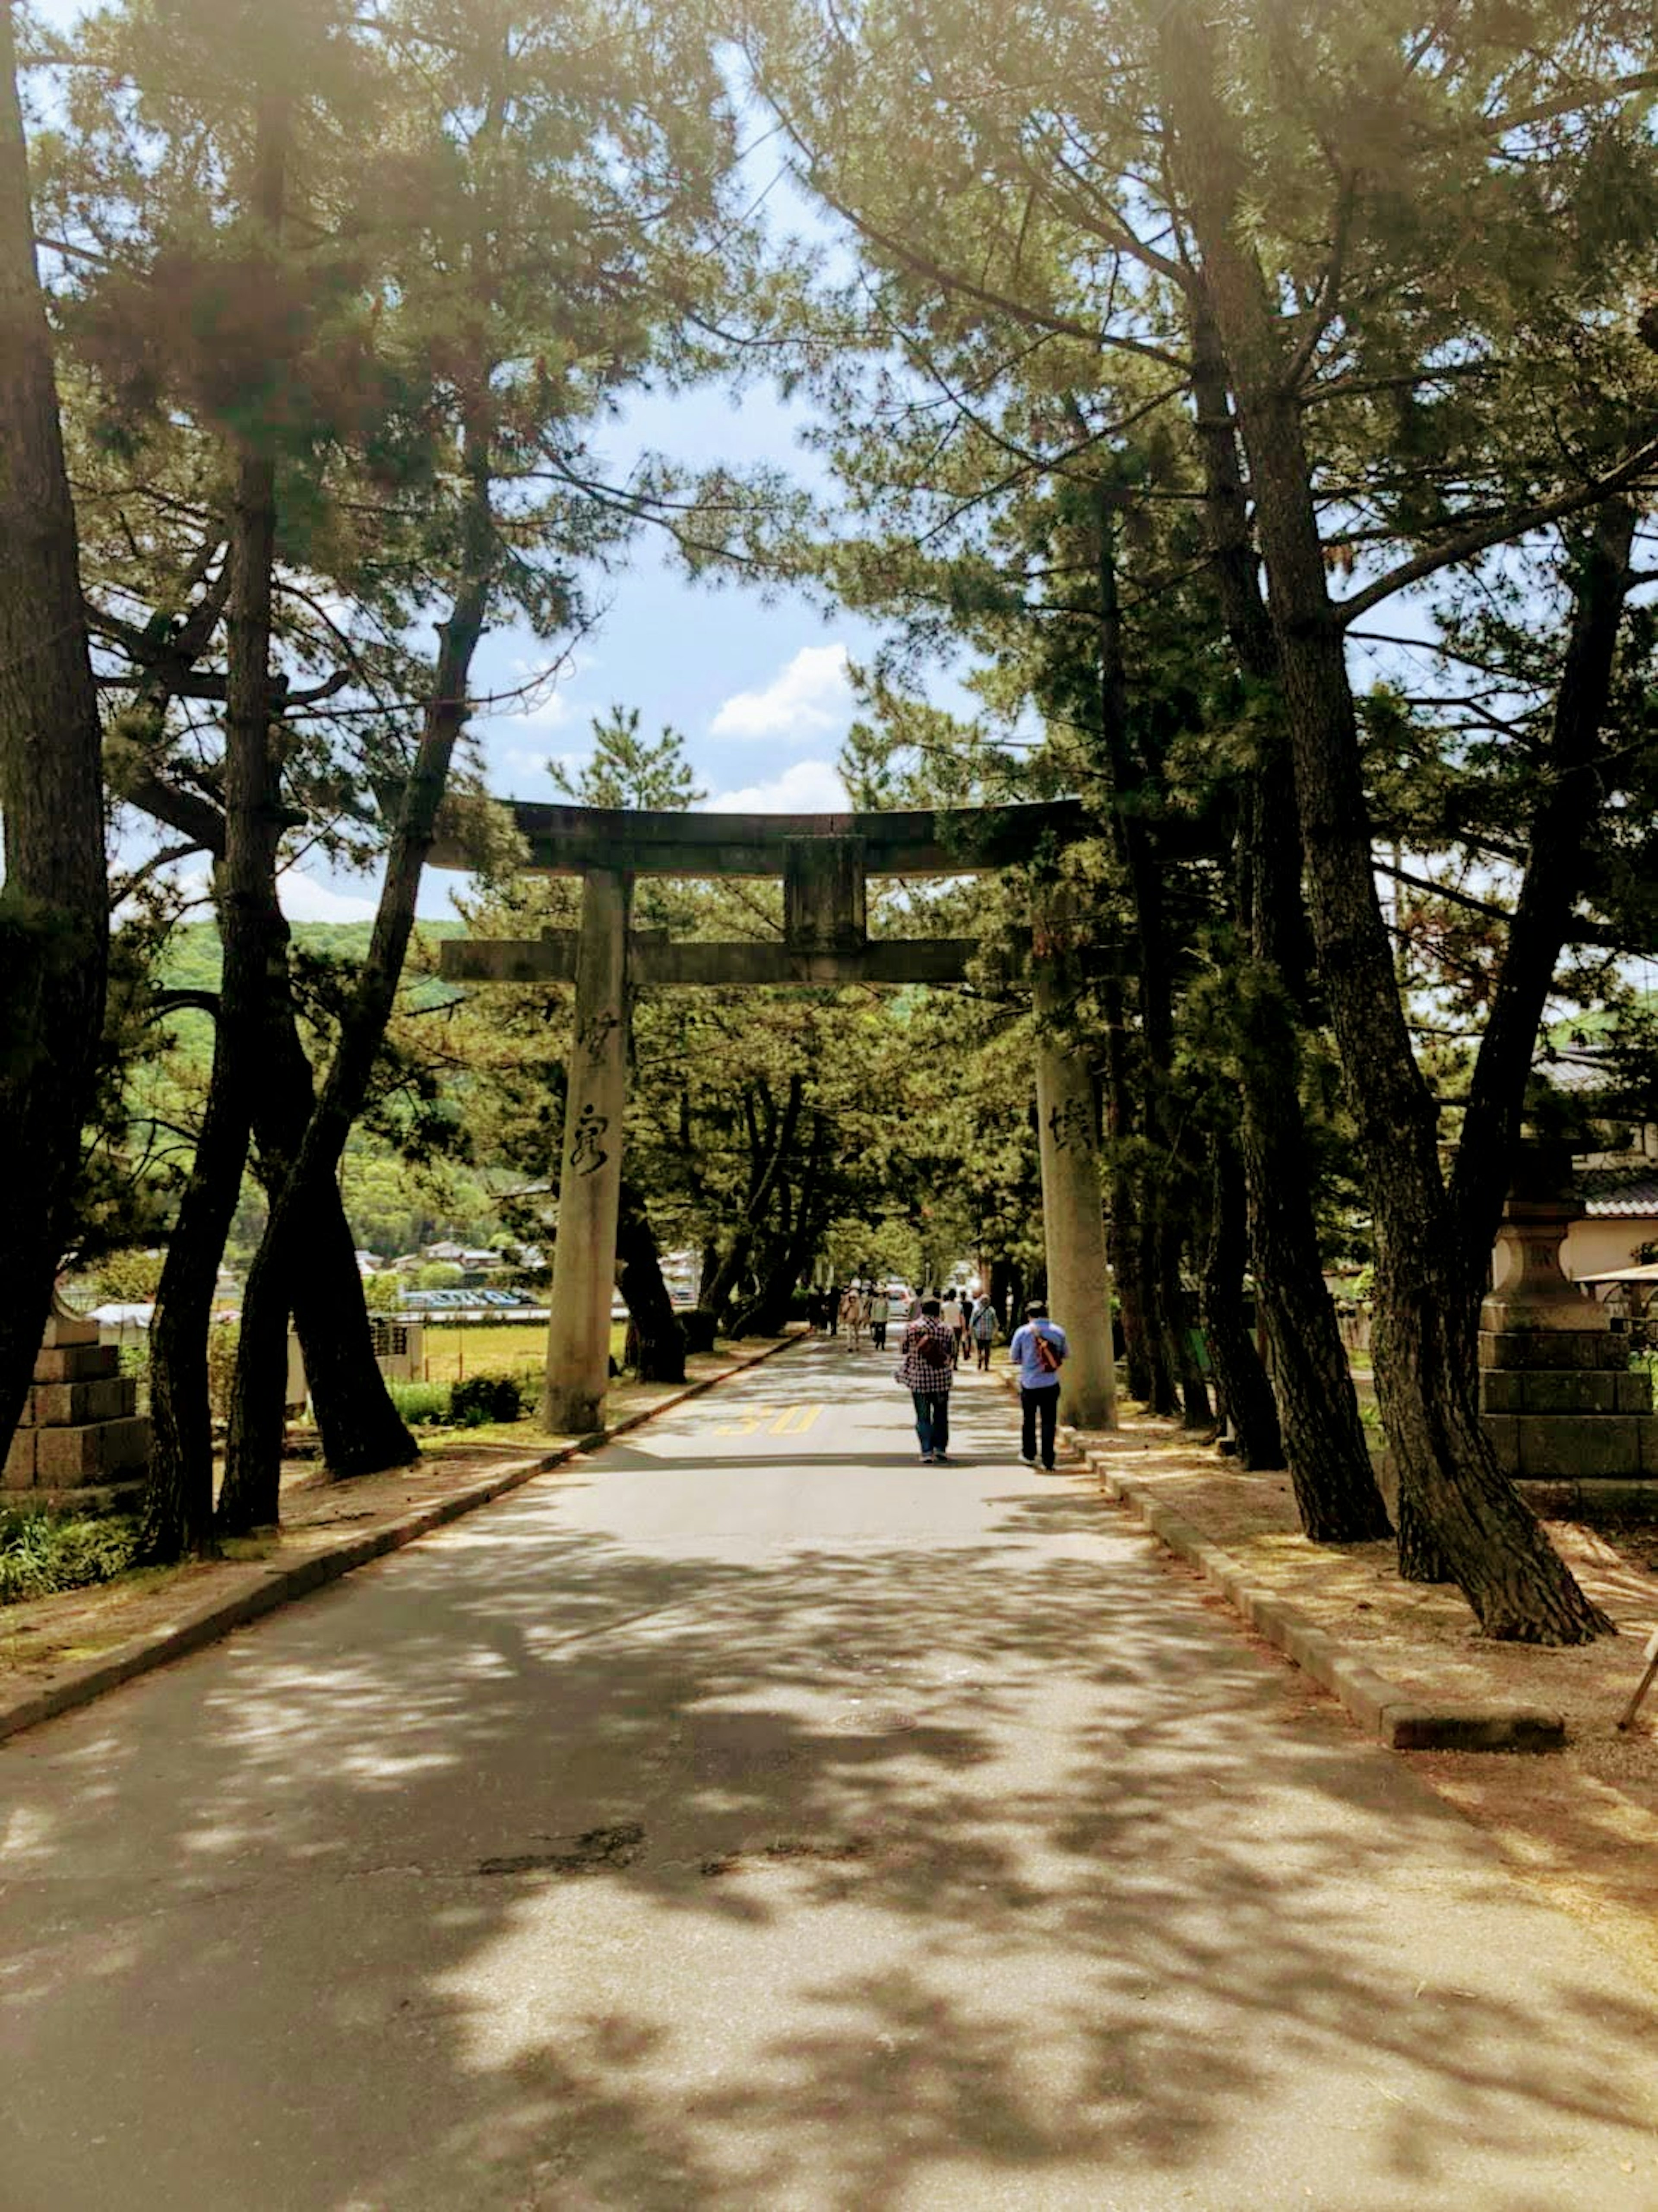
(824,860)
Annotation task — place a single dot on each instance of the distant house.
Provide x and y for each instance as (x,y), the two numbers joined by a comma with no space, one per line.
(1615,1159)
(1619,1217)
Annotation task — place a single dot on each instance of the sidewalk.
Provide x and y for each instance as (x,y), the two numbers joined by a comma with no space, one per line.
(61,1652)
(1581,1823)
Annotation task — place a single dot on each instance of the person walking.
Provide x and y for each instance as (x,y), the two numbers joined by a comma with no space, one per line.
(950,1312)
(983,1331)
(1038,1351)
(832,1309)
(880,1313)
(852,1312)
(926,1368)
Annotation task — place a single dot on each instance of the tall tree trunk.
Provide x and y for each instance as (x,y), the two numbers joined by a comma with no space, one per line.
(765,1167)
(1131,783)
(1337,1495)
(254,938)
(1146,1372)
(54,905)
(660,1340)
(1195,1410)
(1245,1389)
(1517,1585)
(254,1467)
(1569,794)
(361,1428)
(362,1431)
(791,1251)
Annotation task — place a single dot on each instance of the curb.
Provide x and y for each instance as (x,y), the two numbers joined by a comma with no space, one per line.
(211,1618)
(1402,1720)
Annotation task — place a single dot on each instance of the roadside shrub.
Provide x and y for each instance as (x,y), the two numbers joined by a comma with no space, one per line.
(482,1398)
(699,1326)
(223,1339)
(135,1362)
(41,1553)
(421,1404)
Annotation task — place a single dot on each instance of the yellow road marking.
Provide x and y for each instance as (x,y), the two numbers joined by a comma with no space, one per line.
(792,1421)
(795,1420)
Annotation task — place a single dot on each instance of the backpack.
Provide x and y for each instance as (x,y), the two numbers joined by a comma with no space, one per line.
(1048,1354)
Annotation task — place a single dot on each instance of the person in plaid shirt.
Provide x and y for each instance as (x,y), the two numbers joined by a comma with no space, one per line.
(926,1368)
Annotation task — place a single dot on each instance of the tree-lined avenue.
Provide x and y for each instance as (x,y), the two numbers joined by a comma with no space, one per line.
(749,1816)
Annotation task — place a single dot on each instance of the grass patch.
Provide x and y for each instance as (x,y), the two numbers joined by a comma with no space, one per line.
(421,1404)
(518,1349)
(41,1553)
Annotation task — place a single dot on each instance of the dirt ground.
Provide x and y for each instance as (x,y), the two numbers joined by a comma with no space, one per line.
(1582,1822)
(41,1634)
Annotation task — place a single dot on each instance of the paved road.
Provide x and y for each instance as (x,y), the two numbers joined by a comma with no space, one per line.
(751,1818)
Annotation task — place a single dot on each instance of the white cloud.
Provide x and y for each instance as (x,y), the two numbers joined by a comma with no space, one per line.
(305,899)
(812,695)
(520,766)
(549,714)
(808,787)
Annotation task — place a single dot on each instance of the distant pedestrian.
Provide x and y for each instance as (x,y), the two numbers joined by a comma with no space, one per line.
(983,1331)
(880,1313)
(832,1309)
(852,1313)
(1038,1350)
(950,1312)
(926,1368)
(964,1314)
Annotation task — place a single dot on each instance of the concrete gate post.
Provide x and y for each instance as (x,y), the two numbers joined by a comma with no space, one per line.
(1079,1275)
(590,1177)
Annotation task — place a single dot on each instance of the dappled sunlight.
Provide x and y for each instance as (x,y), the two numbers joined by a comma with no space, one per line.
(812,1869)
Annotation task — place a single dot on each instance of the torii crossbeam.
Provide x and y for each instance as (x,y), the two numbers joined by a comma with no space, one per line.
(824,860)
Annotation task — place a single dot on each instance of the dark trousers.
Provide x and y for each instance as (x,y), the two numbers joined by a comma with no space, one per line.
(982,1344)
(877,1334)
(1041,1405)
(933,1419)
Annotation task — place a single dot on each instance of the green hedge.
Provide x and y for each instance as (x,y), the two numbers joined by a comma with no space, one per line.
(482,1398)
(465,1405)
(41,1553)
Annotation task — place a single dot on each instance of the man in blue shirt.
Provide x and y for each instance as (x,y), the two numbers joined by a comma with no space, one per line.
(1037,1349)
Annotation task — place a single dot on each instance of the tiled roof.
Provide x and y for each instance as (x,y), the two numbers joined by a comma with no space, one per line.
(1615,1194)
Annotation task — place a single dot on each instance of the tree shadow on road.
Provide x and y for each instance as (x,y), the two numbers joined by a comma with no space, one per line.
(543,1866)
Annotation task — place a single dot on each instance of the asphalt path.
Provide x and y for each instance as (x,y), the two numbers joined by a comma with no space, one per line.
(750,1817)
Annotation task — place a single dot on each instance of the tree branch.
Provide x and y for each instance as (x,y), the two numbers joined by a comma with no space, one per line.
(1483,536)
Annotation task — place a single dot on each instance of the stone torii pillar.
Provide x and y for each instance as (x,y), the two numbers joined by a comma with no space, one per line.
(1073,1225)
(590,1174)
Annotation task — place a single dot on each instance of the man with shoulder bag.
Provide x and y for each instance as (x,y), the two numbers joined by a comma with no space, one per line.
(926,1368)
(1038,1351)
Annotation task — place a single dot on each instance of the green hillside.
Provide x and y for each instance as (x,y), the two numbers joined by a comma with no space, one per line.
(394,1206)
(194,959)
